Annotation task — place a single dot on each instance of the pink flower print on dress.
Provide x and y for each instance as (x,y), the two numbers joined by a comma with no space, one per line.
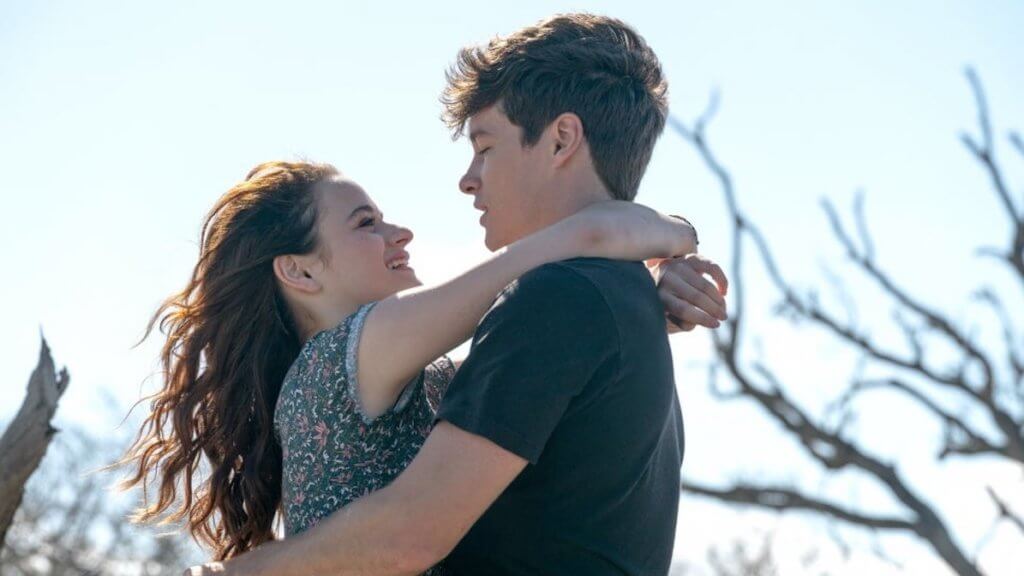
(303,424)
(320,433)
(342,479)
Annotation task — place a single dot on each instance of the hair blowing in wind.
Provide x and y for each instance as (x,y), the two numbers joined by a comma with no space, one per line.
(230,339)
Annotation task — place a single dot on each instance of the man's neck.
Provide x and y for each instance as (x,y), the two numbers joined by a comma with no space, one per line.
(564,201)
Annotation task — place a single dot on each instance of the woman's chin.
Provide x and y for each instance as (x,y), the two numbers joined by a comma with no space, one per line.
(409,280)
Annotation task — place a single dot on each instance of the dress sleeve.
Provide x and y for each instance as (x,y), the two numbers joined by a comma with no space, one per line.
(534,351)
(343,348)
(436,378)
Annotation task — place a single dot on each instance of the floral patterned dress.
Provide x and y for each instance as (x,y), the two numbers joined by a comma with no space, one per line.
(332,452)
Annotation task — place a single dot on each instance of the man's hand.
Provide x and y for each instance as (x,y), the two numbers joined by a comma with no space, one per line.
(690,299)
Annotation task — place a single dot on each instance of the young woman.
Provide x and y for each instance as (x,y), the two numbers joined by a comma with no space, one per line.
(302,360)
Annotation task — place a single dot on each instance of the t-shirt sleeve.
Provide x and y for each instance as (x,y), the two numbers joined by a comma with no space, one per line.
(534,351)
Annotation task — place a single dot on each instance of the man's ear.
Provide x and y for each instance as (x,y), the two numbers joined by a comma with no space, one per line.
(292,272)
(567,132)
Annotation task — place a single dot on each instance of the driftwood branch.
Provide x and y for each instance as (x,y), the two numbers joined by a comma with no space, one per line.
(24,443)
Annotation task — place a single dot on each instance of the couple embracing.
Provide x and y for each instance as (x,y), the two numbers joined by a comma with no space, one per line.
(306,376)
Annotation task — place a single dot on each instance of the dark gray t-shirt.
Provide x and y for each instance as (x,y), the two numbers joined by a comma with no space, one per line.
(571,370)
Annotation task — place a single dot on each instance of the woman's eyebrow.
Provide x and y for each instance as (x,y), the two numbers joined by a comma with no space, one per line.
(363,208)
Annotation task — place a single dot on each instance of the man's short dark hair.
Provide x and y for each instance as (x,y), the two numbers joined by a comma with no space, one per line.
(593,66)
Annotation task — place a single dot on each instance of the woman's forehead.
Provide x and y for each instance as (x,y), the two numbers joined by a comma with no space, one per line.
(343,195)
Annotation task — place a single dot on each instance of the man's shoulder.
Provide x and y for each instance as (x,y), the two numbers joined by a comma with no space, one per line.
(576,282)
(608,280)
(565,292)
(588,290)
(579,271)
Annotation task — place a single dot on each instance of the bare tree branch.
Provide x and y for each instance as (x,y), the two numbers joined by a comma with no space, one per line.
(1005,512)
(1017,143)
(862,227)
(984,152)
(782,499)
(827,445)
(989,297)
(934,318)
(960,437)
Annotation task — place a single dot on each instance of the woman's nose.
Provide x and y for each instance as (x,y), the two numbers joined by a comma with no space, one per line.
(401,236)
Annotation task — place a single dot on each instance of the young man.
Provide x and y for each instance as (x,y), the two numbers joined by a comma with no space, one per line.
(558,444)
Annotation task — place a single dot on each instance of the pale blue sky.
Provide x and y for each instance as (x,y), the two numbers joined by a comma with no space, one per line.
(122,122)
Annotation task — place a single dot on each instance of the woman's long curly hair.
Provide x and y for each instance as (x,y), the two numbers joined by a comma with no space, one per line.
(230,340)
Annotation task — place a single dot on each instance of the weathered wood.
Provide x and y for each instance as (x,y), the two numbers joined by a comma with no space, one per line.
(24,443)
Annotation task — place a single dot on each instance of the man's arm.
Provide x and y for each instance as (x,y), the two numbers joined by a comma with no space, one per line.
(404,528)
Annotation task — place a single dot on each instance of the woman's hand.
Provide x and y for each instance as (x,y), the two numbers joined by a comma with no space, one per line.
(690,299)
(621,230)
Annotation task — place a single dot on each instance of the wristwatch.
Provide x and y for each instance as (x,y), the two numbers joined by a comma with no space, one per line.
(690,224)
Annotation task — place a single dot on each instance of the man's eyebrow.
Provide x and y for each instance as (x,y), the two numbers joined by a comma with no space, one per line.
(363,208)
(473,135)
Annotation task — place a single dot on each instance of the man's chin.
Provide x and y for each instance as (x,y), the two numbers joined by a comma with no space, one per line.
(493,241)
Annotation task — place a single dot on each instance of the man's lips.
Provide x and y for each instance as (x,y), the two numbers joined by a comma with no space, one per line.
(482,209)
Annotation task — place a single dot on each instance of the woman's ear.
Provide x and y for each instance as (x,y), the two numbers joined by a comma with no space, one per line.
(567,131)
(290,271)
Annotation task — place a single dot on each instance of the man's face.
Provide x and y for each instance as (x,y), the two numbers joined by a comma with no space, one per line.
(505,179)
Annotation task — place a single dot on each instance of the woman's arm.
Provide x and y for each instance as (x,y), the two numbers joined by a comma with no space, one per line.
(405,332)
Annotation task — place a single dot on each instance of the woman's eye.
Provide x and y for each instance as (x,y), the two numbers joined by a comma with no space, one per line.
(483,150)
(366,222)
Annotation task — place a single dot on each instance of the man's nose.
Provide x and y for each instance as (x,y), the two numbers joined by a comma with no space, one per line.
(469,183)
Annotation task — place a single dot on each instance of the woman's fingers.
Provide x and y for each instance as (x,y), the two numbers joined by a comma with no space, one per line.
(693,273)
(705,266)
(684,312)
(688,285)
(674,325)
(691,270)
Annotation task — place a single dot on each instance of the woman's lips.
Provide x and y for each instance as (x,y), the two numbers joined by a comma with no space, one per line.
(398,262)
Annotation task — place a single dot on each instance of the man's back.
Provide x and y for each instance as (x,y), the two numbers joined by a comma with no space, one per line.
(571,370)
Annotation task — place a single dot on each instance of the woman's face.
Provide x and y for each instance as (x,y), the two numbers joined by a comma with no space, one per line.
(364,256)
